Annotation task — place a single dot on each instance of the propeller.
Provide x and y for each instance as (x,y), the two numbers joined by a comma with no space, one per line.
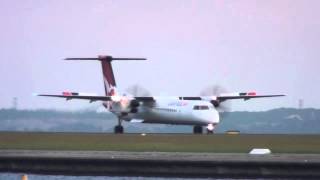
(216,90)
(137,90)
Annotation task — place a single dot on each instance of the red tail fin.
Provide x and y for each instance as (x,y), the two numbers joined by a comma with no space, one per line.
(108,77)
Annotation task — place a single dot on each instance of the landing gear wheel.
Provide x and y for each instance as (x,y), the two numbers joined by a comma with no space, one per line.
(118,129)
(210,128)
(209,131)
(197,130)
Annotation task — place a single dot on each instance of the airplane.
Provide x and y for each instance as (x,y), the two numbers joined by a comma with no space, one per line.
(198,111)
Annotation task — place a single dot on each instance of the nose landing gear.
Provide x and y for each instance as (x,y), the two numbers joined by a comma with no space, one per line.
(210,129)
(199,129)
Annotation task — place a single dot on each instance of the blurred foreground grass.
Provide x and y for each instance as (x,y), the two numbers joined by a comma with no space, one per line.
(219,143)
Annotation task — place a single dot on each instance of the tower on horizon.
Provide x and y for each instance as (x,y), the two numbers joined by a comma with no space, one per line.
(301,103)
(15,103)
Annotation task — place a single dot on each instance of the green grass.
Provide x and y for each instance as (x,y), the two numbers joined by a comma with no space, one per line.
(218,143)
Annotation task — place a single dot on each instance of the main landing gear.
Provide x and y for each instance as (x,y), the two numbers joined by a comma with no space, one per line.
(119,128)
(209,131)
(197,129)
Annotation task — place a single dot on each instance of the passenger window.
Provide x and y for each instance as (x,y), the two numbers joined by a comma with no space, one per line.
(204,107)
(196,107)
(201,107)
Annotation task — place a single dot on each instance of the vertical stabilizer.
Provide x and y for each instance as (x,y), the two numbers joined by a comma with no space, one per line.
(108,76)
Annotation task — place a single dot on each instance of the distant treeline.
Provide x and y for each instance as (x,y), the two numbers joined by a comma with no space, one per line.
(283,120)
(49,114)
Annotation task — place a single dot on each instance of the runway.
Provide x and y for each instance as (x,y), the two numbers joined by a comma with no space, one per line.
(160,155)
(163,156)
(160,164)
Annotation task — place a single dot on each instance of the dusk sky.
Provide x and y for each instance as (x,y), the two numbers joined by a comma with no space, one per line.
(271,46)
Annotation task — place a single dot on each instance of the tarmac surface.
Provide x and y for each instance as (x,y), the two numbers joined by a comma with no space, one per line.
(160,164)
(163,156)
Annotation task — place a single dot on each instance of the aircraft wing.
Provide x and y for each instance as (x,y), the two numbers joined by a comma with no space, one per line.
(72,95)
(222,97)
(69,97)
(230,96)
(246,97)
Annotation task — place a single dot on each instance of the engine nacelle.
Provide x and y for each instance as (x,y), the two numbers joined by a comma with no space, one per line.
(134,110)
(215,103)
(134,104)
(125,106)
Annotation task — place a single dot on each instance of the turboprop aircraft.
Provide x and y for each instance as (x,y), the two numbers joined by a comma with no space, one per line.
(197,111)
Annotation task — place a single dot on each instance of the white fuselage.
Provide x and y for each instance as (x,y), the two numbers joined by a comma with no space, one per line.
(172,111)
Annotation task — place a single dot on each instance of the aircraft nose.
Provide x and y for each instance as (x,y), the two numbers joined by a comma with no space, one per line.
(208,117)
(215,118)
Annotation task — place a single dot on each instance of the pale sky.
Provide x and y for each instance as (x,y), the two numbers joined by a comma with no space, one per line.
(269,46)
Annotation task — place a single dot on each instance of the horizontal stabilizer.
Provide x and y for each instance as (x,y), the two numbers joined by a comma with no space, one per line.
(107,58)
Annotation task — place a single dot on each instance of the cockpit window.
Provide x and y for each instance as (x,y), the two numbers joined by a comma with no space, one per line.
(200,107)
